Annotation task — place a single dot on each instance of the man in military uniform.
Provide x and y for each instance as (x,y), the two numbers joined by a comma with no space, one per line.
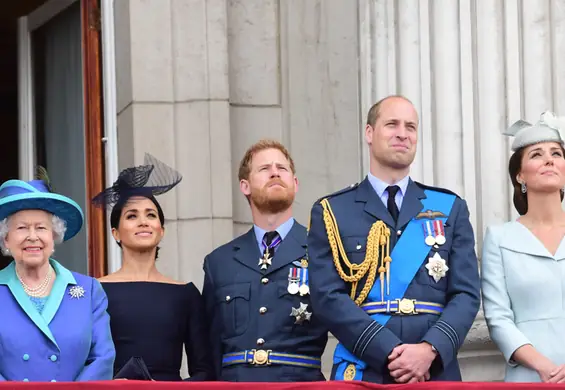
(393,268)
(256,287)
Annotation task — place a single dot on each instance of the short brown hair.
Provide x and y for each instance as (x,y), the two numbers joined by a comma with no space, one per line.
(375,109)
(264,144)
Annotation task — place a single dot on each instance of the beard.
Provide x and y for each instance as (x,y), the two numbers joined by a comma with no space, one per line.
(273,200)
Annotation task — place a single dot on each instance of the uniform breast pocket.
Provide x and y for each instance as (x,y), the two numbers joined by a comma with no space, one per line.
(355,247)
(435,270)
(233,302)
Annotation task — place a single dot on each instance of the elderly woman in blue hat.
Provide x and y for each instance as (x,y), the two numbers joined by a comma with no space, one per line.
(55,326)
(523,262)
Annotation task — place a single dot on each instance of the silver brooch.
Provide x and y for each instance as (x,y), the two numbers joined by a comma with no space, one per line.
(76,292)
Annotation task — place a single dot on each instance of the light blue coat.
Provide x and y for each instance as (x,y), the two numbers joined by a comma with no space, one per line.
(69,341)
(523,296)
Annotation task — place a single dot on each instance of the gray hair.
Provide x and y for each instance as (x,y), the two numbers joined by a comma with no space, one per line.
(59,229)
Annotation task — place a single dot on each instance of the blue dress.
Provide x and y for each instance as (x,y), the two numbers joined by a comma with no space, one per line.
(154,321)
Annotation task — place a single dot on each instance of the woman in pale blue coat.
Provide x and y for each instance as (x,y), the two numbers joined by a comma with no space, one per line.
(523,262)
(54,322)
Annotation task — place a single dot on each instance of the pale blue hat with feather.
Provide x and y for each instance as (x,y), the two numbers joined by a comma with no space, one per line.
(549,128)
(18,195)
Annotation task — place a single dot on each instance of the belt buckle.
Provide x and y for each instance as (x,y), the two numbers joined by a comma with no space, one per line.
(406,306)
(261,357)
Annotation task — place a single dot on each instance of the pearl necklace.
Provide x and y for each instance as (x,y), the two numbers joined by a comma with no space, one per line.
(41,289)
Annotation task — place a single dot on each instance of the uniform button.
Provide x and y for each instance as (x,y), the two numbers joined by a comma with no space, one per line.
(260,341)
(53,380)
(398,232)
(265,280)
(228,298)
(25,357)
(26,380)
(53,358)
(263,310)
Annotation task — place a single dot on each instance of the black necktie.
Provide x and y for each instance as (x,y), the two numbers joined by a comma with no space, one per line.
(268,239)
(391,204)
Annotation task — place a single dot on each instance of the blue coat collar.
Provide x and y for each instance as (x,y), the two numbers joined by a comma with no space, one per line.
(64,278)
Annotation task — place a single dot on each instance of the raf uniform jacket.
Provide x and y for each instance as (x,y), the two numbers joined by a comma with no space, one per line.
(69,341)
(250,309)
(356,209)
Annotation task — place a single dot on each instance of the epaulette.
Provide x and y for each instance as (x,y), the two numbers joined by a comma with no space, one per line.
(339,192)
(438,189)
(342,191)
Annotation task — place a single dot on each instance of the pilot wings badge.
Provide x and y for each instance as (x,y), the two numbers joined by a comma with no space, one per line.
(430,214)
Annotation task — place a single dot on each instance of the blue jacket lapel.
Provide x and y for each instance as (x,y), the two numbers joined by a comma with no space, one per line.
(64,278)
(373,204)
(8,277)
(411,204)
(246,251)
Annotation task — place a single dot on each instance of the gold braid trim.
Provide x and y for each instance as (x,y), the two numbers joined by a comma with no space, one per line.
(378,238)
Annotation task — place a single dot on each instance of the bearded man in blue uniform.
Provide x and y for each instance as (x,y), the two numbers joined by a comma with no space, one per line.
(393,268)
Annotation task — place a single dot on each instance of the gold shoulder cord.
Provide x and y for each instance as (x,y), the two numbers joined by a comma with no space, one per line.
(378,238)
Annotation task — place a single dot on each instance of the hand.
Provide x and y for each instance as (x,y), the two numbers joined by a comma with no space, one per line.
(547,370)
(410,363)
(557,375)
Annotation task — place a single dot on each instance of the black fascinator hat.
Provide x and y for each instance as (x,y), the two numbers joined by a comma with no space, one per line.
(148,180)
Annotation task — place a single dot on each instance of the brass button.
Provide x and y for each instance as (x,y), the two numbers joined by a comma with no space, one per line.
(265,280)
(260,341)
(263,310)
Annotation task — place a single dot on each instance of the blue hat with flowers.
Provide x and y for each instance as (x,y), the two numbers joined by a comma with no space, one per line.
(18,195)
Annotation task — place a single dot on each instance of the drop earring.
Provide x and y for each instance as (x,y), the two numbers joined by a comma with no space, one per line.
(524,189)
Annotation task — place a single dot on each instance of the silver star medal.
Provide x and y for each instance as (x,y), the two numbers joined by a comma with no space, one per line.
(265,261)
(76,292)
(301,314)
(437,267)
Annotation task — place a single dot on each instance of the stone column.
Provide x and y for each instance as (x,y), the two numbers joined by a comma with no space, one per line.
(172,76)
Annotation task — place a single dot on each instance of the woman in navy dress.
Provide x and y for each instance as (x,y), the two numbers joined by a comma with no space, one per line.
(152,317)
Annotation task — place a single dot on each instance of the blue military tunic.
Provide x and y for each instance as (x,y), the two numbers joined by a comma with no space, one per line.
(262,330)
(419,281)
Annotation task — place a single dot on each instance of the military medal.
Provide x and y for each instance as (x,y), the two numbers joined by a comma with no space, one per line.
(440,233)
(428,233)
(265,261)
(304,288)
(437,267)
(301,314)
(293,278)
